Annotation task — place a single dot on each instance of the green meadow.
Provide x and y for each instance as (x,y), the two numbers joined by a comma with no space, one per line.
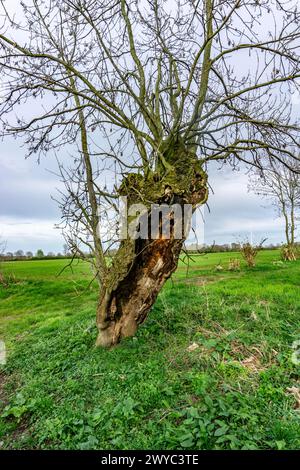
(211,368)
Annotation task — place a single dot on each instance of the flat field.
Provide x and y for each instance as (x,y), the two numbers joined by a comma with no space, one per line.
(213,367)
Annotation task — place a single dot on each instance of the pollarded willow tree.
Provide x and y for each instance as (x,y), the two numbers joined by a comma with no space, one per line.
(281,185)
(143,94)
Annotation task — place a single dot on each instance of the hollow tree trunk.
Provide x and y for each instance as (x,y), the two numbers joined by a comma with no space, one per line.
(122,309)
(141,267)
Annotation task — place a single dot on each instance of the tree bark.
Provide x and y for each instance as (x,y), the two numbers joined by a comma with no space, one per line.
(141,267)
(287,225)
(122,309)
(293,223)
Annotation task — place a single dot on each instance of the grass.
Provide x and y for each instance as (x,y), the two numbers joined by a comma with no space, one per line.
(210,369)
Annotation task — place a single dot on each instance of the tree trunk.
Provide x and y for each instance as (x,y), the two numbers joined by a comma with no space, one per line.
(141,266)
(122,309)
(287,225)
(293,223)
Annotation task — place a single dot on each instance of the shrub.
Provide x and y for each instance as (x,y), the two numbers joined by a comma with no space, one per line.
(234,264)
(289,253)
(249,252)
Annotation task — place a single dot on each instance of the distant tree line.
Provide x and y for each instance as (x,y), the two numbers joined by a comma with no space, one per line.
(20,255)
(226,247)
(193,248)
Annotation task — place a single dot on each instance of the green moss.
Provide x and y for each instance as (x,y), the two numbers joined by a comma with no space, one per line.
(177,168)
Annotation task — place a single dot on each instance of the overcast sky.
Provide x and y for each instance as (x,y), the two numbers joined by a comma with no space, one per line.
(28,214)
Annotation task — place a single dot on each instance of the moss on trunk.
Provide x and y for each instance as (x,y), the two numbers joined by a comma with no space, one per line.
(141,267)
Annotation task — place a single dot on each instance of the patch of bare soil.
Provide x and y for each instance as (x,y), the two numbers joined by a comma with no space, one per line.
(204,280)
(201,281)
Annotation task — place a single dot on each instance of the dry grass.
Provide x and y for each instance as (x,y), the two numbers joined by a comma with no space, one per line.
(295,392)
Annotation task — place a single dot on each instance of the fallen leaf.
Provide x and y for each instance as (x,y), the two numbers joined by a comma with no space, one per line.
(192,347)
(295,391)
